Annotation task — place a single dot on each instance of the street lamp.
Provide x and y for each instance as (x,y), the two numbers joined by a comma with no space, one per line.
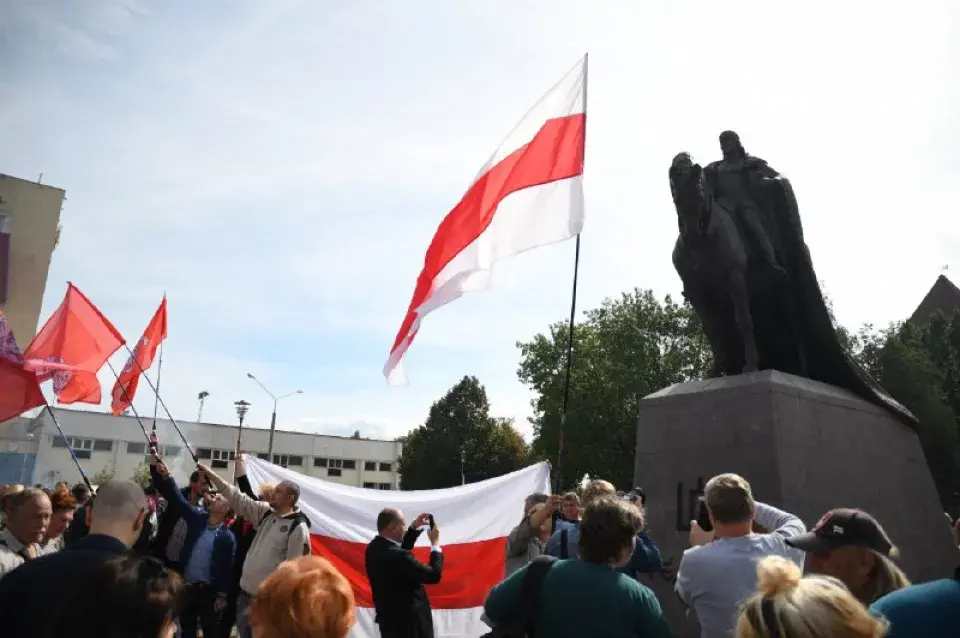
(242,408)
(273,418)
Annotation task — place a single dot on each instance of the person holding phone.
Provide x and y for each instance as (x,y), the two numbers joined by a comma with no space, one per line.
(397,578)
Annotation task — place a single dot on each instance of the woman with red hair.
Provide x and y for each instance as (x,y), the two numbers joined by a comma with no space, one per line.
(304,598)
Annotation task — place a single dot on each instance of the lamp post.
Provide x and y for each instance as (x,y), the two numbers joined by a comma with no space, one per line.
(242,408)
(273,417)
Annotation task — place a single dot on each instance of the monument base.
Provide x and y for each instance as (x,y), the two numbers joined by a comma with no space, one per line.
(804,446)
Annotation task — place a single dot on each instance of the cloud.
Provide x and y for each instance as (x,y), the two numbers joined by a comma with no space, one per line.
(278,170)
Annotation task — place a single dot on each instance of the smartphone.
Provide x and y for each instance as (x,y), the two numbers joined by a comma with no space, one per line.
(432,522)
(703,516)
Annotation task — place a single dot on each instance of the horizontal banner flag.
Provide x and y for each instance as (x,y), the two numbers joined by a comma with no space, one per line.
(474,522)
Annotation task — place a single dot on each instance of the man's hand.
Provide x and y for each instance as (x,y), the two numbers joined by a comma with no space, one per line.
(698,536)
(206,471)
(423,519)
(162,468)
(220,603)
(434,534)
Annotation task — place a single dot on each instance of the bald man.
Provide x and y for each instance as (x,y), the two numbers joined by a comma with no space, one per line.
(116,516)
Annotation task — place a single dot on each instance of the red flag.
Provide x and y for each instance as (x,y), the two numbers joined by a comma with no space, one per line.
(80,338)
(19,389)
(126,385)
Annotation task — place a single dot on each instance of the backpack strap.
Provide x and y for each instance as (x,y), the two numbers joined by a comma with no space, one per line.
(564,544)
(530,590)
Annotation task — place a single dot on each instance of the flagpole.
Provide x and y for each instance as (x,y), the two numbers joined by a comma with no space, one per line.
(573,313)
(157,397)
(73,454)
(126,397)
(162,404)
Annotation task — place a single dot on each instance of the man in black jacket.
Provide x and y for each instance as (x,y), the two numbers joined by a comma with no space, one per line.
(172,528)
(397,577)
(116,517)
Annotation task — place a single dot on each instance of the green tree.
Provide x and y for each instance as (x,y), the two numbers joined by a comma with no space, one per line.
(459,435)
(622,351)
(141,475)
(913,364)
(101,477)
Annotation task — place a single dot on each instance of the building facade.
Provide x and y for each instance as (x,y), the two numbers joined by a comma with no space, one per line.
(106,444)
(29,231)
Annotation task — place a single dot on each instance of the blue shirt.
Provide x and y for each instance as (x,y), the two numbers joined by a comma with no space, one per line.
(201,558)
(931,610)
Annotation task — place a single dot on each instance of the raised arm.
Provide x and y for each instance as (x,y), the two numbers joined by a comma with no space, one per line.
(167,486)
(242,504)
(780,522)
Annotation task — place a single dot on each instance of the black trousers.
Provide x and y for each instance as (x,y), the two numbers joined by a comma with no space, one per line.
(198,613)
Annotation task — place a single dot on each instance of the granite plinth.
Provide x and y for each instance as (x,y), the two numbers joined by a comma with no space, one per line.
(804,446)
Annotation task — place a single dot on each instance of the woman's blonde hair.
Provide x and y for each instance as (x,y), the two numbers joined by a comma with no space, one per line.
(788,606)
(304,598)
(885,578)
(265,490)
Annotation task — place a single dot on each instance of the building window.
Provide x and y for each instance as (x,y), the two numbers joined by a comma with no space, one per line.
(218,465)
(204,453)
(233,455)
(386,467)
(82,454)
(263,455)
(386,486)
(369,486)
(102,446)
(222,455)
(75,443)
(136,448)
(295,461)
(333,471)
(319,462)
(282,460)
(171,451)
(370,466)
(349,465)
(337,463)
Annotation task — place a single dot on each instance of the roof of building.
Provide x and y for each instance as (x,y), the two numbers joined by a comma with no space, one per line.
(247,426)
(943,297)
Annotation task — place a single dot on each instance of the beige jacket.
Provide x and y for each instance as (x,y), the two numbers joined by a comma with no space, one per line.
(523,545)
(274,543)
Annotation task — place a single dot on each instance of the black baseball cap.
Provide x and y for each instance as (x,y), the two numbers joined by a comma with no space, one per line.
(843,528)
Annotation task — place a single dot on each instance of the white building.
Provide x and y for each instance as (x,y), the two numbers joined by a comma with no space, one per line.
(34,452)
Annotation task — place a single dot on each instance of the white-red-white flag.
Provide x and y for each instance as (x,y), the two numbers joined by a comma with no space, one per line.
(529,194)
(474,520)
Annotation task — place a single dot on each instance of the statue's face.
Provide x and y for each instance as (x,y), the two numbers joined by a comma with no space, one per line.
(682,163)
(729,144)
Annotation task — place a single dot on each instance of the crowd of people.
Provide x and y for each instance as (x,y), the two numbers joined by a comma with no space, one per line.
(213,558)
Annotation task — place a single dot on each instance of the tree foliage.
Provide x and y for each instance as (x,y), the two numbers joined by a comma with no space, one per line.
(459,426)
(101,477)
(141,475)
(622,351)
(920,367)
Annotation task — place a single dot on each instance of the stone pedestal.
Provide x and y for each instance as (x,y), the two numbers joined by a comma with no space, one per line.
(804,446)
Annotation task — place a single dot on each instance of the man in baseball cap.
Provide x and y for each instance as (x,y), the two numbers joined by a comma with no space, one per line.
(851,545)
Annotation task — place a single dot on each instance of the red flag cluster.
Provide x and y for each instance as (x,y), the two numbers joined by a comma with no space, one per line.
(69,350)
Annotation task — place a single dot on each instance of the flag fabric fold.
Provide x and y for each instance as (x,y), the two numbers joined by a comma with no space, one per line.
(125,388)
(529,194)
(71,348)
(474,522)
(19,389)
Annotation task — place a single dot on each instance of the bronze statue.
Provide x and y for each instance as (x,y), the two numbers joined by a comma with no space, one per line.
(748,274)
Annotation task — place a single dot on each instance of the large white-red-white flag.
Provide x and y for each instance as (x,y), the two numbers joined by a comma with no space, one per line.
(528,194)
(474,523)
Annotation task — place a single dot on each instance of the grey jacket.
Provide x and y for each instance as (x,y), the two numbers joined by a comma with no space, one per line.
(523,545)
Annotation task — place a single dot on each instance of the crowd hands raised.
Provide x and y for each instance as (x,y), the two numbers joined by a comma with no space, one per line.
(213,557)
(751,571)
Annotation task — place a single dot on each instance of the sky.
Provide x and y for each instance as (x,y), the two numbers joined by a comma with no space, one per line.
(278,169)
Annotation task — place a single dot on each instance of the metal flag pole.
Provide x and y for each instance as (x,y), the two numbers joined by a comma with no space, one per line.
(129,401)
(162,404)
(73,454)
(573,316)
(156,400)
